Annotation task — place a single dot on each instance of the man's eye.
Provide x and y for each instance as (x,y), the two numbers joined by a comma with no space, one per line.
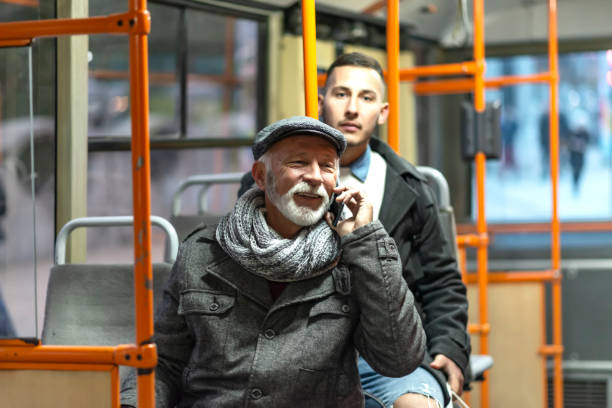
(368,98)
(340,94)
(329,166)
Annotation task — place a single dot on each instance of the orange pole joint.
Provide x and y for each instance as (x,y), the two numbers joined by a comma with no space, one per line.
(137,356)
(480,66)
(473,240)
(551,350)
(482,328)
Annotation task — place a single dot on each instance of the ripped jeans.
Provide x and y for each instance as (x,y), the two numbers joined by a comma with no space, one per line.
(385,390)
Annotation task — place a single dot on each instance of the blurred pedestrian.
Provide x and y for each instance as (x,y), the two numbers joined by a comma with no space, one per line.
(577,144)
(509,127)
(6,326)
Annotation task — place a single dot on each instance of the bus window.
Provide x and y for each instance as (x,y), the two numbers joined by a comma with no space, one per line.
(109,193)
(206,103)
(518,185)
(26,191)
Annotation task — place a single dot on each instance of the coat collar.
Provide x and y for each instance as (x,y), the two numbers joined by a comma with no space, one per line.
(391,214)
(400,165)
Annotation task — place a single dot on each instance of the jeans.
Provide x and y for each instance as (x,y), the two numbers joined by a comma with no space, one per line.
(386,390)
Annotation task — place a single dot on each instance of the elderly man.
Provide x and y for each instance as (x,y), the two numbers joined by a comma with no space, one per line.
(271,307)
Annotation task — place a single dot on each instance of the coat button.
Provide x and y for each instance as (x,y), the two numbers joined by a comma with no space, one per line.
(269,334)
(213,307)
(346,308)
(256,393)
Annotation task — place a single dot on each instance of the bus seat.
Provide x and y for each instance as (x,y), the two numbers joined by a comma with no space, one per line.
(479,364)
(184,223)
(436,180)
(93,304)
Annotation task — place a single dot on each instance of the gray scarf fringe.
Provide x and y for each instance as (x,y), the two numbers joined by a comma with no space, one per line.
(245,236)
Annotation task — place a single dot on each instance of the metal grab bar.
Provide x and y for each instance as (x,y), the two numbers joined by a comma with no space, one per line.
(205,180)
(112,221)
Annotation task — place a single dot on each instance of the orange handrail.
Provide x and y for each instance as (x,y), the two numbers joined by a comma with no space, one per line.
(535,227)
(135,23)
(393,73)
(123,354)
(480,163)
(141,187)
(309,39)
(408,74)
(122,23)
(553,67)
(464,85)
(516,276)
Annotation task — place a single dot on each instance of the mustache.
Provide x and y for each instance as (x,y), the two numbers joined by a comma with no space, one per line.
(303,187)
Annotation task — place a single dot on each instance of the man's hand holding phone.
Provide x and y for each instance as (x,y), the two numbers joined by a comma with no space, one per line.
(359,205)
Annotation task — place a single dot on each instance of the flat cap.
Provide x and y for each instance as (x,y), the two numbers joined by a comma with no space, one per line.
(296,126)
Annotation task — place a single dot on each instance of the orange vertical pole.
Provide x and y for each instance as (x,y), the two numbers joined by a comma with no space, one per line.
(393,72)
(481,225)
(554,176)
(309,38)
(544,341)
(143,279)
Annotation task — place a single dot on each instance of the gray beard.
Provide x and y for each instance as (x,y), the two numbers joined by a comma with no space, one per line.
(299,215)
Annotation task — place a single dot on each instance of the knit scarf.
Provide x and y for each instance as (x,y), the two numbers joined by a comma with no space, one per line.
(245,235)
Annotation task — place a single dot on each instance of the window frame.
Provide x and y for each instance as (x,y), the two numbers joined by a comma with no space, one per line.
(180,140)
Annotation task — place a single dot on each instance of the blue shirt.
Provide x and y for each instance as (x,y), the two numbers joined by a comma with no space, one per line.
(361,166)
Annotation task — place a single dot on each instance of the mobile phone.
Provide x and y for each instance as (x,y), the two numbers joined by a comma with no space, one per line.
(336,209)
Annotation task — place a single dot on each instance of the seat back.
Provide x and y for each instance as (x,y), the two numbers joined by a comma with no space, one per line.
(185,223)
(439,186)
(94,304)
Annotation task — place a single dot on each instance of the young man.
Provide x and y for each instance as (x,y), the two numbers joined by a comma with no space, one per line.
(354,103)
(271,307)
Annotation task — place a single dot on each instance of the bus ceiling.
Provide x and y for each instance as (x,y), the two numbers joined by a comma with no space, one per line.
(449,22)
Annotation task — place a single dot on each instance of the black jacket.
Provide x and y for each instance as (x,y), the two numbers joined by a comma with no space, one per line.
(409,214)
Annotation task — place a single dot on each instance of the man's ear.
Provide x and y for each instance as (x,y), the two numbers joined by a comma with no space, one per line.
(258,170)
(321,100)
(384,113)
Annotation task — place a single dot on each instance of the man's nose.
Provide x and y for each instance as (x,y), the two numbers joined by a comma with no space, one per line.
(313,174)
(351,106)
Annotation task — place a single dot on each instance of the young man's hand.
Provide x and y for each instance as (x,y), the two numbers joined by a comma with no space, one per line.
(356,201)
(452,370)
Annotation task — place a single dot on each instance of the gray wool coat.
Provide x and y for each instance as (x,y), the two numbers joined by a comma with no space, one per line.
(223,341)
